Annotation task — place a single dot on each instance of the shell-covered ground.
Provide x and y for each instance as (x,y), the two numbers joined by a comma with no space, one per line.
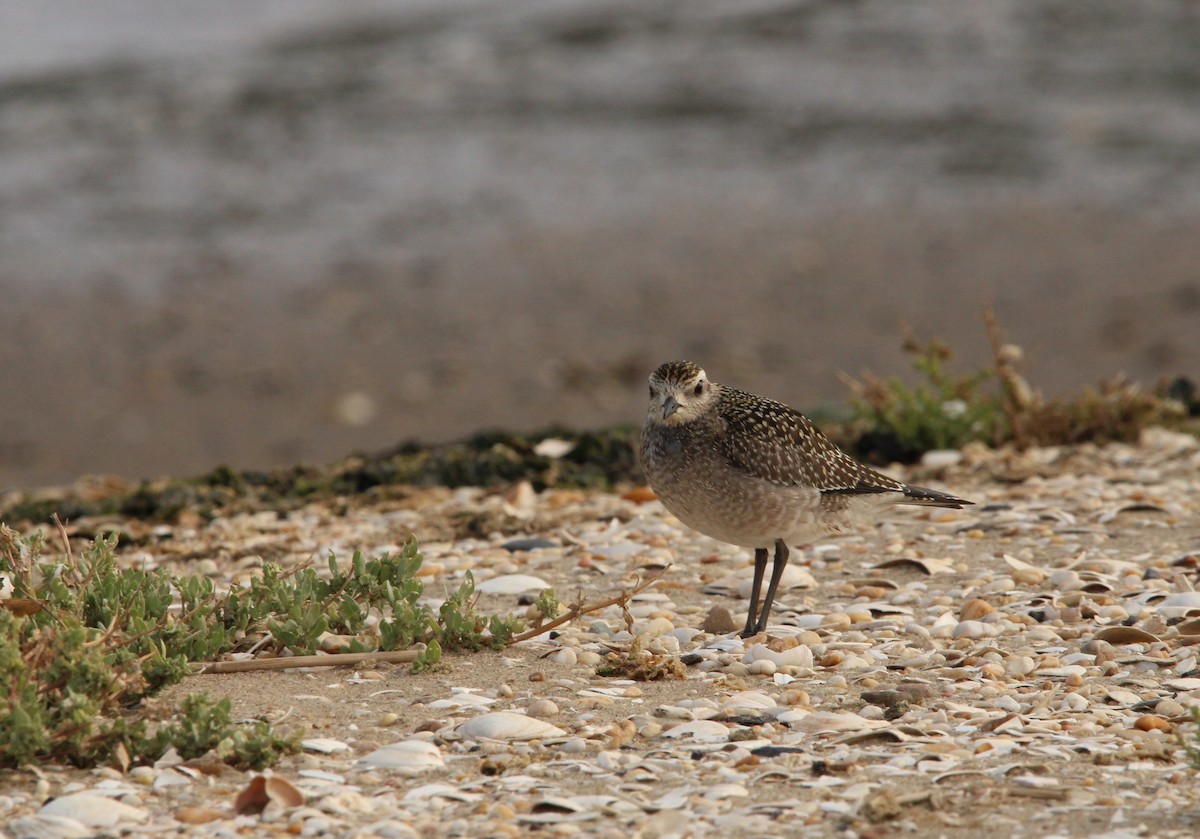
(1025,666)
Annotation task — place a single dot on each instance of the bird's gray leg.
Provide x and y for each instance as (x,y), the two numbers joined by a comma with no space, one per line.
(781,559)
(760,568)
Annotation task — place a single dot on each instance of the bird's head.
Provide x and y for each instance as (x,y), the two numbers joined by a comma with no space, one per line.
(680,393)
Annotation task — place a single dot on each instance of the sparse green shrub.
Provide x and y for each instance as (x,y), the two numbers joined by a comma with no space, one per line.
(460,627)
(995,405)
(84,640)
(942,411)
(85,643)
(205,725)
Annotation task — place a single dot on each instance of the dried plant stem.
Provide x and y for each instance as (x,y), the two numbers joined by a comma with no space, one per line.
(334,660)
(579,609)
(1017,399)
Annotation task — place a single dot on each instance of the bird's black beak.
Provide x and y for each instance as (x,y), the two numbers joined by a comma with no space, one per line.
(670,406)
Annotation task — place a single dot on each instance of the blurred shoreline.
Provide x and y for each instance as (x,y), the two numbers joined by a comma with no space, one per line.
(296,233)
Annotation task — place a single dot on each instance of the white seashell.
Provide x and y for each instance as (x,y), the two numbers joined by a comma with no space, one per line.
(573,746)
(719,792)
(941,458)
(428,791)
(829,722)
(653,628)
(565,657)
(1185,684)
(1006,703)
(762,667)
(700,731)
(664,645)
(553,448)
(1181,605)
(1064,579)
(171,778)
(747,700)
(512,584)
(1023,572)
(1121,635)
(557,810)
(676,799)
(542,708)
(1073,702)
(798,656)
(974,629)
(506,725)
(1020,665)
(1035,781)
(170,758)
(793,715)
(929,565)
(324,745)
(685,634)
(1123,697)
(809,621)
(996,746)
(47,827)
(408,757)
(600,627)
(650,596)
(463,700)
(94,810)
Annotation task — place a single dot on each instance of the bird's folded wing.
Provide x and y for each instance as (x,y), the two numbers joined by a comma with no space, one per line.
(770,441)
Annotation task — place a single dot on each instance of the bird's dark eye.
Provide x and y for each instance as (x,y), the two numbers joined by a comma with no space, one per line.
(699,389)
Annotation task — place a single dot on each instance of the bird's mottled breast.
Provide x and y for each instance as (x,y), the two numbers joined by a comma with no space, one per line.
(667,447)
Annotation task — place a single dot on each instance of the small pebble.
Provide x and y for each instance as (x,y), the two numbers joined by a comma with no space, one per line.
(719,621)
(974,610)
(542,708)
(1169,708)
(1152,722)
(565,657)
(762,667)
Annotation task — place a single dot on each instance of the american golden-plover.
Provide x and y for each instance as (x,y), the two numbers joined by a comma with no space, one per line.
(753,472)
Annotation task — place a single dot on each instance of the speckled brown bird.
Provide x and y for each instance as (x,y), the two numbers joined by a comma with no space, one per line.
(754,472)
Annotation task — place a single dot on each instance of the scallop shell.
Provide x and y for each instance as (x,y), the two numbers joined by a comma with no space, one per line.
(94,810)
(42,826)
(753,700)
(512,584)
(1126,635)
(324,745)
(408,757)
(699,731)
(506,725)
(1182,605)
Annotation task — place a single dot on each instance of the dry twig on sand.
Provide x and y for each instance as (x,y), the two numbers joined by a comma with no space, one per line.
(577,609)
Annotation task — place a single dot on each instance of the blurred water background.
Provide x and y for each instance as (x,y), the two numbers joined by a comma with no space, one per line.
(261,231)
